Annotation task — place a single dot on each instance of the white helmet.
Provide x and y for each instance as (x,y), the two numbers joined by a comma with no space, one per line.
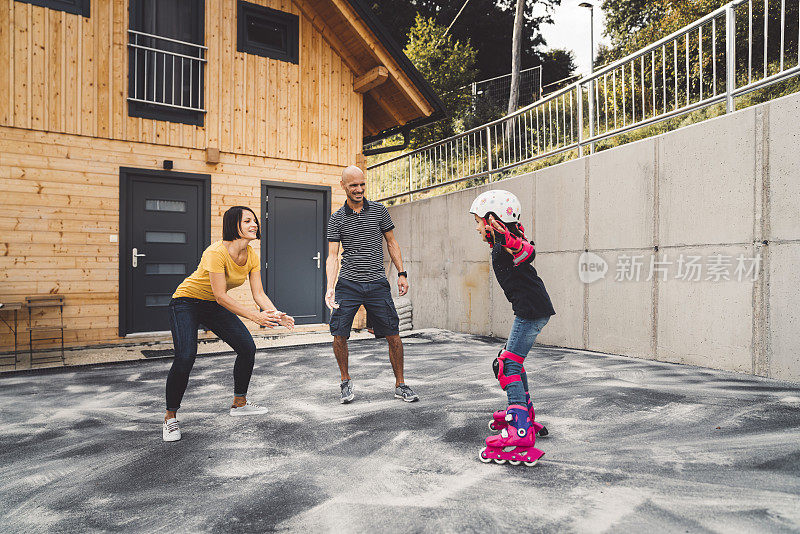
(503,204)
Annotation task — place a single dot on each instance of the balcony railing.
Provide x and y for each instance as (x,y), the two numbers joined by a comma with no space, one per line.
(165,71)
(741,47)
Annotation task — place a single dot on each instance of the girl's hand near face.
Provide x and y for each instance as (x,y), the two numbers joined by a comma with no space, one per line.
(498,229)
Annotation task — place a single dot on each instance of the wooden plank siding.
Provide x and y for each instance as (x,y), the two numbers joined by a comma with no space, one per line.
(69,74)
(60,203)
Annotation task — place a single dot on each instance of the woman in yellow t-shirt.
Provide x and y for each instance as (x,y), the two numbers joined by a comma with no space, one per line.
(203,298)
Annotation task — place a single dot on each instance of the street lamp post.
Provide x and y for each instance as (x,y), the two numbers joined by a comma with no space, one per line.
(591,31)
(591,71)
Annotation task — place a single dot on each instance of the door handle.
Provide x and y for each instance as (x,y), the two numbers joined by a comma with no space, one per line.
(318,257)
(135,257)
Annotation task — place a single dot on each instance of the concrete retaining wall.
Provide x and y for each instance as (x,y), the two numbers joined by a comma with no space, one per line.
(719,191)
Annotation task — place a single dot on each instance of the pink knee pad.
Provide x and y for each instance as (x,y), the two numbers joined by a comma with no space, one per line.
(498,366)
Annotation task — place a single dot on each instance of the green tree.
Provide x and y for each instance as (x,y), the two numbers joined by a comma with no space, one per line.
(557,64)
(487,24)
(447,64)
(634,24)
(625,18)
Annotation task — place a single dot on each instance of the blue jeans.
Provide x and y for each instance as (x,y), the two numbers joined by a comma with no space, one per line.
(520,340)
(185,315)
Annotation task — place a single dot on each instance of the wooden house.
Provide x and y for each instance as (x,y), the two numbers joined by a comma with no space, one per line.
(128,127)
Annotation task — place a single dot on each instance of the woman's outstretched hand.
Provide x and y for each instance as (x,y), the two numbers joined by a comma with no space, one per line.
(273,318)
(266,318)
(284,319)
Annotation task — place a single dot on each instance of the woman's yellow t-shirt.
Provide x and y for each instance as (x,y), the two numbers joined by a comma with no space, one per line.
(216,259)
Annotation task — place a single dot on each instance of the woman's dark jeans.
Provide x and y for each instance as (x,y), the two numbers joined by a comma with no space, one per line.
(185,315)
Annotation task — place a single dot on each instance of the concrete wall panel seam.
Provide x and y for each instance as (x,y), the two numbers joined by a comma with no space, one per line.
(757,347)
(764,309)
(586,171)
(656,220)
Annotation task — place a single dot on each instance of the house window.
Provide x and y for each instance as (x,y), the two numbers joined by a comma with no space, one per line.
(76,7)
(267,32)
(167,60)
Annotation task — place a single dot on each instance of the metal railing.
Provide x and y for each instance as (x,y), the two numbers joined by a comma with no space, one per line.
(165,71)
(715,59)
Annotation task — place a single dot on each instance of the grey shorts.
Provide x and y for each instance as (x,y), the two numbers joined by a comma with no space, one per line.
(375,296)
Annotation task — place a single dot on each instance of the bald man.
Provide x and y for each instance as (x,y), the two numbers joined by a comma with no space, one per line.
(358,228)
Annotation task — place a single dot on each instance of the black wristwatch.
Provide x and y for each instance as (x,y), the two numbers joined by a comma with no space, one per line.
(402,273)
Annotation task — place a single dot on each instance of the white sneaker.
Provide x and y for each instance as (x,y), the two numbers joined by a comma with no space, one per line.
(171,431)
(249,408)
(347,391)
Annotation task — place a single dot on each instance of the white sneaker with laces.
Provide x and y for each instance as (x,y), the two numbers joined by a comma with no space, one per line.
(171,430)
(347,391)
(249,408)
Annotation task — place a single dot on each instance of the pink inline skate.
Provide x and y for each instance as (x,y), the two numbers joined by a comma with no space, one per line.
(498,421)
(516,441)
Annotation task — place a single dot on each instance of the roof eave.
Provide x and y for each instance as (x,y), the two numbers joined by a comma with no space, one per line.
(419,81)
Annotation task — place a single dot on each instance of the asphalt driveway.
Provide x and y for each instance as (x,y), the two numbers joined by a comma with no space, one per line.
(634,446)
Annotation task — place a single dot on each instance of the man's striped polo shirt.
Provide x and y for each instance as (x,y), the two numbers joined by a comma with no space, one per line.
(361,236)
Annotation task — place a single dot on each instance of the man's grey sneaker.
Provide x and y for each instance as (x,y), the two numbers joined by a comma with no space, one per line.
(171,430)
(406,393)
(347,391)
(249,408)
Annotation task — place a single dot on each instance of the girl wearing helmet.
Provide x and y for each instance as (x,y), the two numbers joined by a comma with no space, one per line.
(497,216)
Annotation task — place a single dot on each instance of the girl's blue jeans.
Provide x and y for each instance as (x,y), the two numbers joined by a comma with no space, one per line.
(520,340)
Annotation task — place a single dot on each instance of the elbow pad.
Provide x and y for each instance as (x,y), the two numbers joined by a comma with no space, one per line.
(525,254)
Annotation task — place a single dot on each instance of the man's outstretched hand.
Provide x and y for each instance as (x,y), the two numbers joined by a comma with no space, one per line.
(330,301)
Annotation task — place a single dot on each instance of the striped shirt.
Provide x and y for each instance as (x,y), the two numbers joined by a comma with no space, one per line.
(361,236)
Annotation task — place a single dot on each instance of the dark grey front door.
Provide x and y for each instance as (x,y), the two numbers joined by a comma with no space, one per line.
(294,251)
(163,235)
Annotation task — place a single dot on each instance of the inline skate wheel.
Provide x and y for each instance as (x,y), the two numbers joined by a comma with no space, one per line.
(531,464)
(482,456)
(492,426)
(499,461)
(514,462)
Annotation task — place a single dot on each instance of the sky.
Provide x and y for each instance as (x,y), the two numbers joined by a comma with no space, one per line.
(571,30)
